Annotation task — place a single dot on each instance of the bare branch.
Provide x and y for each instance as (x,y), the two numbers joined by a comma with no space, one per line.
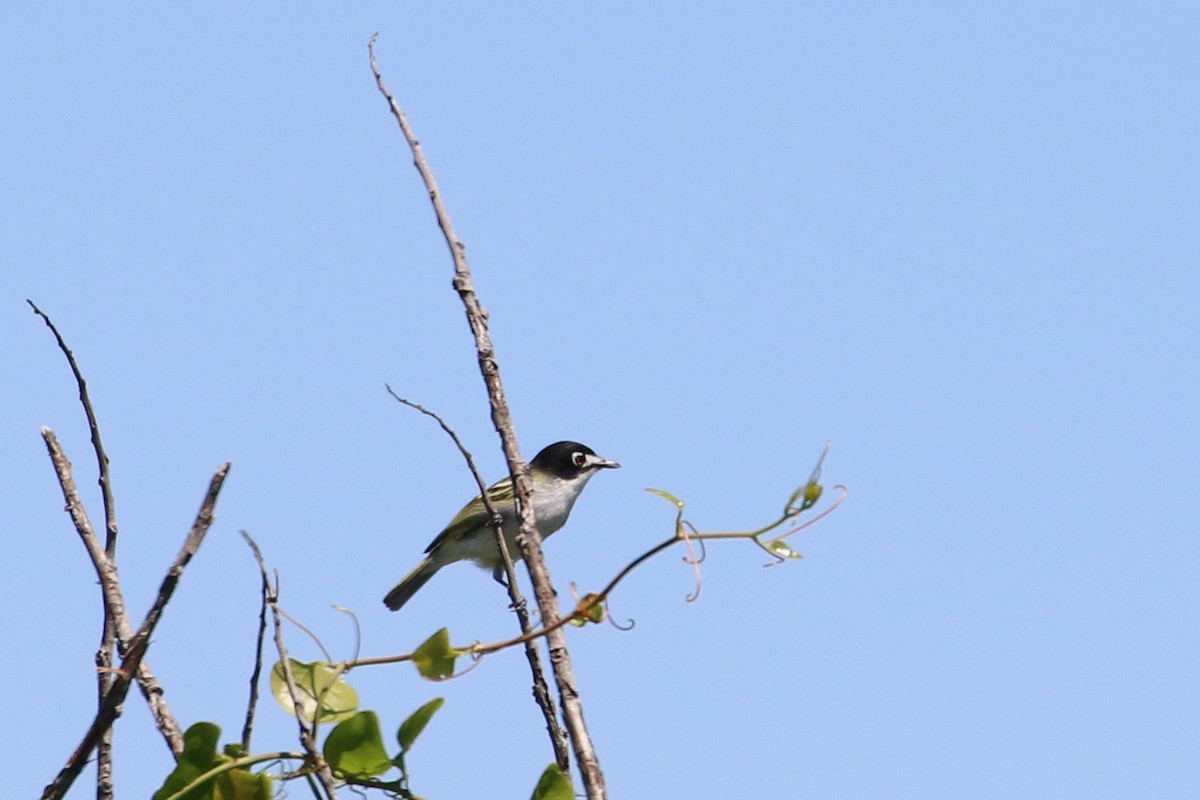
(265,593)
(195,537)
(105,717)
(135,648)
(514,591)
(104,654)
(528,539)
(106,570)
(308,739)
(466,454)
(110,509)
(105,788)
(110,585)
(308,736)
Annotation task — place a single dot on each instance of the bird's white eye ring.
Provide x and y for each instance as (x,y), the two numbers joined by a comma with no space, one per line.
(579,459)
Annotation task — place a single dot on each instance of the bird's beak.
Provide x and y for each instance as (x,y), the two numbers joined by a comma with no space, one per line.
(603,463)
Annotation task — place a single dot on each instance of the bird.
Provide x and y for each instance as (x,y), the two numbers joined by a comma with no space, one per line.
(558,473)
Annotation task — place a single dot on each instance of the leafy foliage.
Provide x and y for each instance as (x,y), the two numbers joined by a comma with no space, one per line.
(553,785)
(324,696)
(354,748)
(198,757)
(435,657)
(209,776)
(412,727)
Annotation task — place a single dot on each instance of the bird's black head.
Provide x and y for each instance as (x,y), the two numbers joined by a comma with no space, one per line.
(568,460)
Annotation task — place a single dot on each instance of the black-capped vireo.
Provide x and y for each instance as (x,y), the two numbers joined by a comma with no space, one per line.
(559,473)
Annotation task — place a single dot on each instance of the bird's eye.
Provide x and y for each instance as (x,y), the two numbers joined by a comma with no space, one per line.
(579,459)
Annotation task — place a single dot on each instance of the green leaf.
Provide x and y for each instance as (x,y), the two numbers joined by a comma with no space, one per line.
(338,700)
(435,657)
(354,748)
(553,785)
(240,784)
(412,727)
(781,549)
(670,498)
(198,757)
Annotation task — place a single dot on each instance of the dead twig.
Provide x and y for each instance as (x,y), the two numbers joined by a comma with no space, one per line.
(265,598)
(105,480)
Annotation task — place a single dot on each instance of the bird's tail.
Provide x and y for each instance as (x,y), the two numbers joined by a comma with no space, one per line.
(410,584)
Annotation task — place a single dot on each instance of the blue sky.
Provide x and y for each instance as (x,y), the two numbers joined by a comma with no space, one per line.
(957,240)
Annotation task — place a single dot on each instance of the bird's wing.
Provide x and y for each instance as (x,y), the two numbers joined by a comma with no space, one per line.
(474,514)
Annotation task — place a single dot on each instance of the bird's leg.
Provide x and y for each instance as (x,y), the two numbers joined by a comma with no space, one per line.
(501,578)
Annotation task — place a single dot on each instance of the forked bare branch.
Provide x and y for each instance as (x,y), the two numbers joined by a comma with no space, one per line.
(104,653)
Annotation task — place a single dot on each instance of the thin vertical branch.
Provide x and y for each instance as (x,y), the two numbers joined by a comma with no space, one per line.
(104,654)
(308,736)
(265,598)
(105,787)
(528,539)
(105,479)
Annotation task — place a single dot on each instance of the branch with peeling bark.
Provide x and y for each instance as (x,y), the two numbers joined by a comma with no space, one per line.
(528,538)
